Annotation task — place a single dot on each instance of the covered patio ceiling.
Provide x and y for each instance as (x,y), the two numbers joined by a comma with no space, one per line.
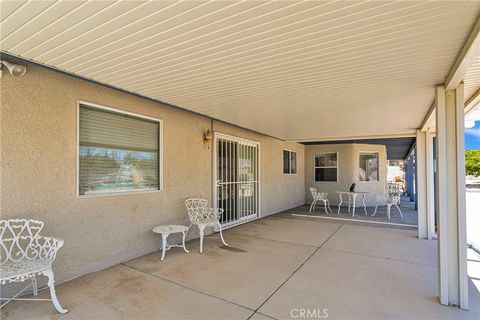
(296,70)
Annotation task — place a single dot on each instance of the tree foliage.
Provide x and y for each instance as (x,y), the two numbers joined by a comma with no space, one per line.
(472,162)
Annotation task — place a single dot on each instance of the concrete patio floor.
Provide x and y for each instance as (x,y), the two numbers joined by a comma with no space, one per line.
(273,268)
(410,215)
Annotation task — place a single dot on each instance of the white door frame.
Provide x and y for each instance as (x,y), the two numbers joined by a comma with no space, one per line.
(215,178)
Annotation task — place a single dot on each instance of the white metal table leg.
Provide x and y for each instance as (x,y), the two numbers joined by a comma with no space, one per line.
(354,198)
(164,244)
(341,201)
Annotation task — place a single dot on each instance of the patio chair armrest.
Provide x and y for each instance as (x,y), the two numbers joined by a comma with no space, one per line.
(47,247)
(212,213)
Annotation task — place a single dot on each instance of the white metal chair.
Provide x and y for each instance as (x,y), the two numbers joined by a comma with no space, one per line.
(389,201)
(319,196)
(201,216)
(394,190)
(25,254)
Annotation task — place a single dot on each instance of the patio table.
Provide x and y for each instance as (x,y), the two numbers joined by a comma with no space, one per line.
(352,197)
(165,231)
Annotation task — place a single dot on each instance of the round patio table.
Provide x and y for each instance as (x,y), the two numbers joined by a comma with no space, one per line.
(352,197)
(165,231)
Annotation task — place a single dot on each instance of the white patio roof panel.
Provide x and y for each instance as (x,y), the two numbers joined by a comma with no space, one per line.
(472,80)
(296,70)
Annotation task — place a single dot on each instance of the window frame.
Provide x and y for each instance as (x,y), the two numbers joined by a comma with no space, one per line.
(119,111)
(289,163)
(358,166)
(315,167)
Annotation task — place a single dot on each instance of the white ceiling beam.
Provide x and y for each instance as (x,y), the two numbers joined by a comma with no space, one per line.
(470,52)
(385,136)
(472,102)
(429,120)
(468,55)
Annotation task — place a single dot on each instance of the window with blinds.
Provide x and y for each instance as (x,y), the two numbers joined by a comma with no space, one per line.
(117,152)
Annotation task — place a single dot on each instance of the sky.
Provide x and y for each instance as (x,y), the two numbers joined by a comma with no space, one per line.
(472,137)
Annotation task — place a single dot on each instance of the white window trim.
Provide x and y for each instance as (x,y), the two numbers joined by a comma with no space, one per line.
(290,168)
(327,167)
(124,193)
(358,166)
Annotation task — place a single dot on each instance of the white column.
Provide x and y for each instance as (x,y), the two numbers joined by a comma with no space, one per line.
(430,187)
(421,175)
(453,281)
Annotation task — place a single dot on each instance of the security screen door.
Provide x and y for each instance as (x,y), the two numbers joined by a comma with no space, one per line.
(236,179)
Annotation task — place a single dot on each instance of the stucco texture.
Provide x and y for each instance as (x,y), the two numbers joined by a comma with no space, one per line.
(348,166)
(38,170)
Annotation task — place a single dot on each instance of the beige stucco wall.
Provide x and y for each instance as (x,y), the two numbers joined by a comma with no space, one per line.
(348,162)
(38,170)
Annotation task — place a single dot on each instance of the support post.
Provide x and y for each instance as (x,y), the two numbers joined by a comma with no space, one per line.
(421,175)
(452,261)
(430,177)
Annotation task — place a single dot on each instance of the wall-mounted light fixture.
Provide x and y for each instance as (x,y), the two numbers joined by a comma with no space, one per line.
(15,70)
(207,137)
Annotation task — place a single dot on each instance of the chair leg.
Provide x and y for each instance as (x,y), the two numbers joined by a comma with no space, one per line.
(311,206)
(201,229)
(184,233)
(51,284)
(389,206)
(328,202)
(401,215)
(325,205)
(375,212)
(221,234)
(34,286)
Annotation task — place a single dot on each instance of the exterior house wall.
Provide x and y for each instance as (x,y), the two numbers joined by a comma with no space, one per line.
(39,162)
(348,164)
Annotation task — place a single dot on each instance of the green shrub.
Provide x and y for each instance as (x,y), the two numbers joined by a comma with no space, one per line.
(472,162)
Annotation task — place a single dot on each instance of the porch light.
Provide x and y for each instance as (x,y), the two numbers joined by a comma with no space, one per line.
(15,70)
(207,137)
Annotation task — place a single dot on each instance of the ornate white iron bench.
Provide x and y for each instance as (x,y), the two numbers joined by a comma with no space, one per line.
(24,254)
